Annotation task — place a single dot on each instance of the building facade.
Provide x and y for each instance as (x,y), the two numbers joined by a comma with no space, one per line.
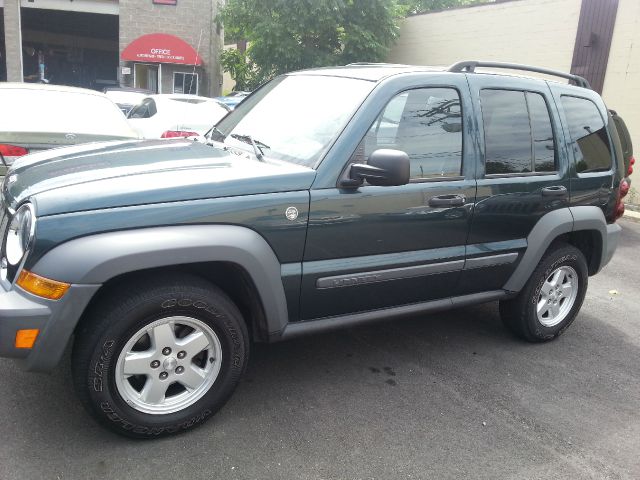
(164,46)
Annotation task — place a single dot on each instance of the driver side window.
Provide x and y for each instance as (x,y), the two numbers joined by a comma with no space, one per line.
(425,123)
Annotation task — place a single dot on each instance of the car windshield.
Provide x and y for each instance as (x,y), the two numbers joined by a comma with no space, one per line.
(59,111)
(295,118)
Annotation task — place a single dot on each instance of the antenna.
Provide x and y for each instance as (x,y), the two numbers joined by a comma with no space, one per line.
(193,72)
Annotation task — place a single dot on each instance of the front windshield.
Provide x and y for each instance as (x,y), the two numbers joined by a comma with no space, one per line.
(294,118)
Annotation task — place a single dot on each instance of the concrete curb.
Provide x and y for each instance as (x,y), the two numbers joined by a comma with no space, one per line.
(631,215)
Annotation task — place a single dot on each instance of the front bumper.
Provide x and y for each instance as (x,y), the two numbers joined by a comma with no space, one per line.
(56,321)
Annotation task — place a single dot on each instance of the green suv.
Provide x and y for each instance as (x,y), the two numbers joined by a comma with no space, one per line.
(328,198)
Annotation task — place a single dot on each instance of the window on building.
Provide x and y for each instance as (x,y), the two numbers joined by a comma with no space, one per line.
(592,151)
(185,83)
(426,123)
(517,132)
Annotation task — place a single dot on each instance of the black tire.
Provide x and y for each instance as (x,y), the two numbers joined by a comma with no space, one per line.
(519,314)
(119,316)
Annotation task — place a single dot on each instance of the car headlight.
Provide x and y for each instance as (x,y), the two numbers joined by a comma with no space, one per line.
(20,234)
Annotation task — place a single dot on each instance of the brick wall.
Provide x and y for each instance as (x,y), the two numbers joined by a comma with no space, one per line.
(13,40)
(191,20)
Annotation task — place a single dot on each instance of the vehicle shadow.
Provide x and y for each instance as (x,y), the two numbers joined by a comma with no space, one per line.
(455,365)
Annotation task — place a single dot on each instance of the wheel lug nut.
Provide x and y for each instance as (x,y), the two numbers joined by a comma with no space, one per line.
(155,364)
(163,375)
(166,351)
(179,370)
(182,354)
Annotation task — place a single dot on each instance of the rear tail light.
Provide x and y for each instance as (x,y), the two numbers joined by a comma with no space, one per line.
(9,152)
(622,192)
(631,163)
(624,188)
(177,134)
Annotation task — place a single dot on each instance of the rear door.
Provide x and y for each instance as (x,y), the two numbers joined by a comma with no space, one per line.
(374,247)
(524,174)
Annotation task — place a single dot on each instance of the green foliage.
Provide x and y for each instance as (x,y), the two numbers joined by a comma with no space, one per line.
(240,68)
(287,35)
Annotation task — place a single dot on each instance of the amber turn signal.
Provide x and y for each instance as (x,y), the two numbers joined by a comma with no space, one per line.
(26,338)
(42,287)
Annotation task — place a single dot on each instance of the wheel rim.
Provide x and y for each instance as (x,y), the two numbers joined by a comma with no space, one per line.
(168,365)
(557,296)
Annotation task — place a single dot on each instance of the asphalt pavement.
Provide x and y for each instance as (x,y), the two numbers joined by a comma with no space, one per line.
(445,396)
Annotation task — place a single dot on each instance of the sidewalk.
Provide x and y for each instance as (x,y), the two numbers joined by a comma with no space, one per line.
(632,215)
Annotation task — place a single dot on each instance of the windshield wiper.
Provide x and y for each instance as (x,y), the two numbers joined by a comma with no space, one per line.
(256,144)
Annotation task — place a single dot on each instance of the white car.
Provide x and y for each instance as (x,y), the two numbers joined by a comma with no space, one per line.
(39,117)
(126,98)
(175,115)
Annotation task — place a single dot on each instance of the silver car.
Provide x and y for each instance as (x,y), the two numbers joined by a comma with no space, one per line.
(38,117)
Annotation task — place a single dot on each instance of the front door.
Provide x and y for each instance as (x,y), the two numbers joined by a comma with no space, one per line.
(375,247)
(146,76)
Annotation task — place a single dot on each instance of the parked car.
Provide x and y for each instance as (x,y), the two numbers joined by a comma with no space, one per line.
(163,262)
(126,97)
(233,99)
(175,115)
(39,117)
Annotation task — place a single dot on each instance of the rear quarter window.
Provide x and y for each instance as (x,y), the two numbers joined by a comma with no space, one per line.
(146,109)
(588,132)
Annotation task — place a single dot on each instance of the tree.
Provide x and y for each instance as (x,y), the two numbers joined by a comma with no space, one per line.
(287,35)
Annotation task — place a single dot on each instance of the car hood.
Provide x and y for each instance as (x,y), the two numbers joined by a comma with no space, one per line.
(116,174)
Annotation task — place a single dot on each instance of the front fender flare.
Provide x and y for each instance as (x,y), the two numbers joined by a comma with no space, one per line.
(98,258)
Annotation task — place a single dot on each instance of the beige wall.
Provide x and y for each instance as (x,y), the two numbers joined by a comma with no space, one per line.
(536,32)
(622,81)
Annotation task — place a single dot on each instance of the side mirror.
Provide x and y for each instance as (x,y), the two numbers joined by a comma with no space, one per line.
(385,167)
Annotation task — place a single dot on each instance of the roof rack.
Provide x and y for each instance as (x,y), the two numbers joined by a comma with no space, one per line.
(470,66)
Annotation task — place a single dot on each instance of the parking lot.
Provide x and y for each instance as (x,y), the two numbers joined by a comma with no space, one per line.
(449,395)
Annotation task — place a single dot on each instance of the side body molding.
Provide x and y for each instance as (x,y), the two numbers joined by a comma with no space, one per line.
(548,228)
(97,258)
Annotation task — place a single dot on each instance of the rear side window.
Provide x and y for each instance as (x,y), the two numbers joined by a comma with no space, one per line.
(589,139)
(518,133)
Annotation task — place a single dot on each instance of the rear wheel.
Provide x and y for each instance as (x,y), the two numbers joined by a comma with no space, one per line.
(161,358)
(552,297)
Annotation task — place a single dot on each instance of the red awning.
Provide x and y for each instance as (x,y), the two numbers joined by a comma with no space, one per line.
(161,48)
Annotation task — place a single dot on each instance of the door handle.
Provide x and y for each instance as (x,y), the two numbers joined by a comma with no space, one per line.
(447,201)
(555,191)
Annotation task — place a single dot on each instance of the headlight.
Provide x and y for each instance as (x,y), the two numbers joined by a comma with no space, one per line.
(20,234)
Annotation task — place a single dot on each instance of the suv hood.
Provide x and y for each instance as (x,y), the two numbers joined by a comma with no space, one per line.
(115,174)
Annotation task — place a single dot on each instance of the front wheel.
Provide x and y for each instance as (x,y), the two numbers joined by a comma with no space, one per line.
(159,359)
(552,297)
